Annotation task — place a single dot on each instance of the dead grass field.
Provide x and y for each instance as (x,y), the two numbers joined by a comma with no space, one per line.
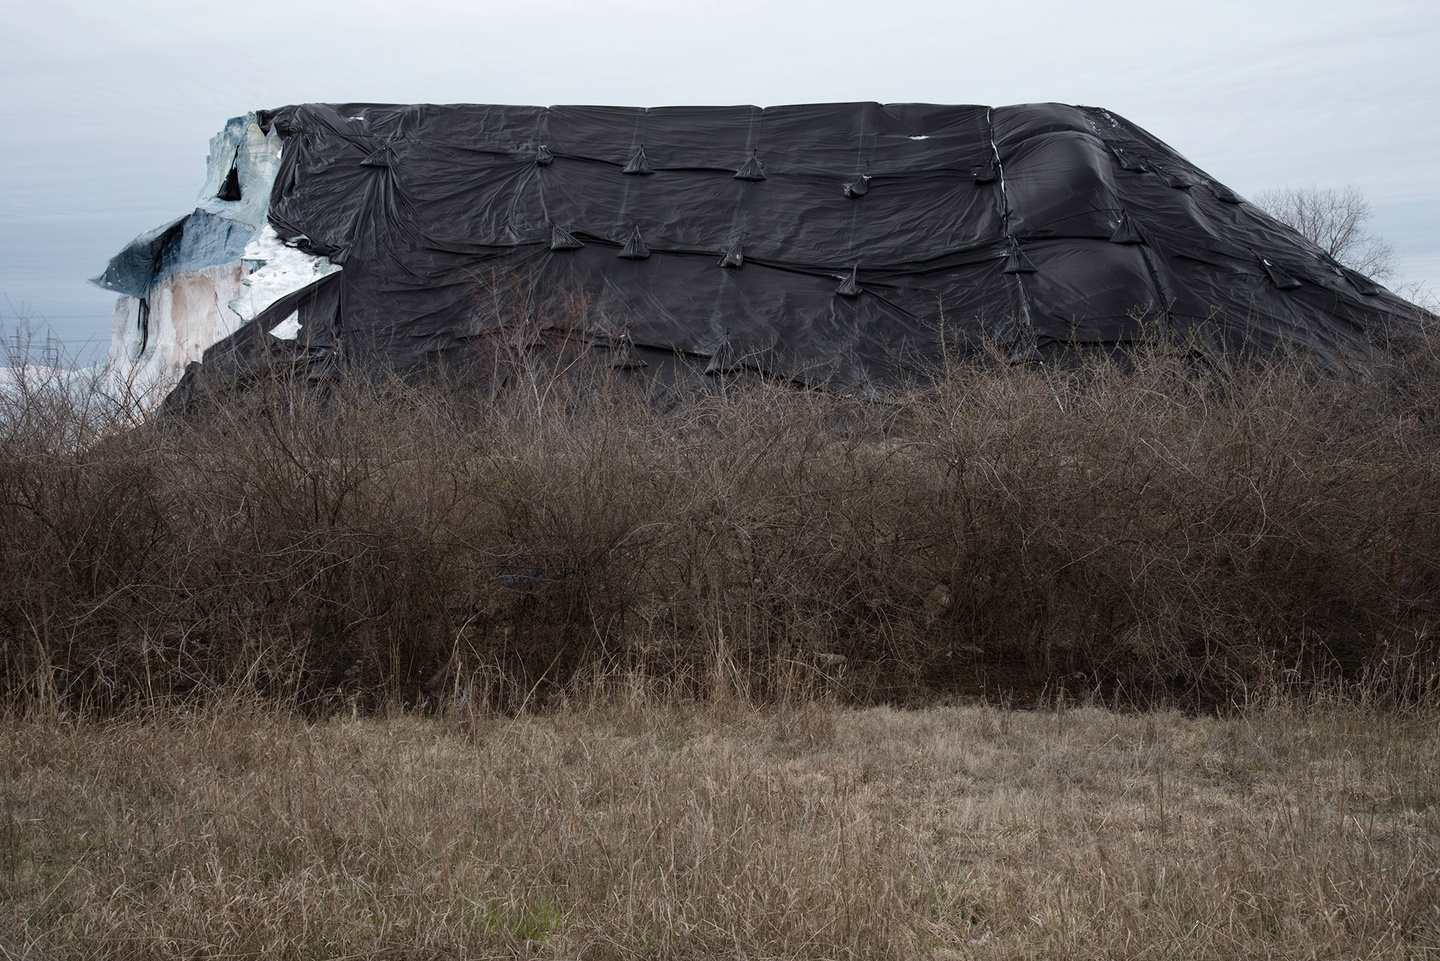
(621,826)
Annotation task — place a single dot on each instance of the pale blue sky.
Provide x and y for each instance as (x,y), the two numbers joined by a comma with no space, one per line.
(108,106)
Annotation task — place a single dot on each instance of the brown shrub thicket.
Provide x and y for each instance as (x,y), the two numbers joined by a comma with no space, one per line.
(1127,529)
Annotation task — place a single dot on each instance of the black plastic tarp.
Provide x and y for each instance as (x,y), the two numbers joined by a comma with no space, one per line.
(835,243)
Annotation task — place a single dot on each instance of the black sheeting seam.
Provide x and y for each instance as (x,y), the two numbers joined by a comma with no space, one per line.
(1024,321)
(739,219)
(637,142)
(1161,306)
(1163,298)
(1000,170)
(863,155)
(718,316)
(1026,340)
(544,197)
(738,235)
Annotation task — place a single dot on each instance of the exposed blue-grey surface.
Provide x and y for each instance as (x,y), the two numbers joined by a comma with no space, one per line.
(233,206)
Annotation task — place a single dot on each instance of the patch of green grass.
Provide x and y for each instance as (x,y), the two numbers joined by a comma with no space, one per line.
(536,919)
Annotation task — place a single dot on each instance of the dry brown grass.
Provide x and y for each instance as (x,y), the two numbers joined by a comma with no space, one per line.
(623,825)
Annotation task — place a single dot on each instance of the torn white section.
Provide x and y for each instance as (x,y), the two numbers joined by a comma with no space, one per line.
(153,339)
(287,329)
(920,136)
(233,267)
(276,271)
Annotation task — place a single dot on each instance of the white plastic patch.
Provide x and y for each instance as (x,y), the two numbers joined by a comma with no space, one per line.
(287,329)
(276,270)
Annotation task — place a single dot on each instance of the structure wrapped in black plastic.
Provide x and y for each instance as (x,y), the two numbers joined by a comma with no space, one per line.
(1039,226)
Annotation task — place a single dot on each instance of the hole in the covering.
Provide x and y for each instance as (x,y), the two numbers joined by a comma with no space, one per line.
(142,322)
(230,189)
